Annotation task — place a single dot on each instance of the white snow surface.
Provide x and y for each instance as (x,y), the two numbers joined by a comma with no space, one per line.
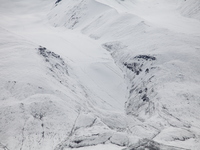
(99,74)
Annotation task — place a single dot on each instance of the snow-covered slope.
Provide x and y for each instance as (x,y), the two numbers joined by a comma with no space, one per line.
(124,73)
(155,57)
(36,91)
(73,14)
(190,9)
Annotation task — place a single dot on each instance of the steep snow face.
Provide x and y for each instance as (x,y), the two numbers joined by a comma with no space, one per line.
(73,14)
(162,13)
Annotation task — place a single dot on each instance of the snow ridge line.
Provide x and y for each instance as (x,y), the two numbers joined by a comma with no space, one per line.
(65,142)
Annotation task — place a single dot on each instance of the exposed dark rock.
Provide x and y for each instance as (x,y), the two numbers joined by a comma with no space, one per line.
(78,141)
(145,57)
(147,70)
(43,134)
(140,91)
(42,51)
(55,64)
(58,1)
(138,63)
(135,67)
(145,98)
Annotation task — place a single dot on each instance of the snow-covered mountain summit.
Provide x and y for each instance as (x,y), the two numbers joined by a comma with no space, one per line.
(97,74)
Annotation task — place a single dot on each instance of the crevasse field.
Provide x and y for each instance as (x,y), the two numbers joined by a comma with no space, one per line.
(99,74)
